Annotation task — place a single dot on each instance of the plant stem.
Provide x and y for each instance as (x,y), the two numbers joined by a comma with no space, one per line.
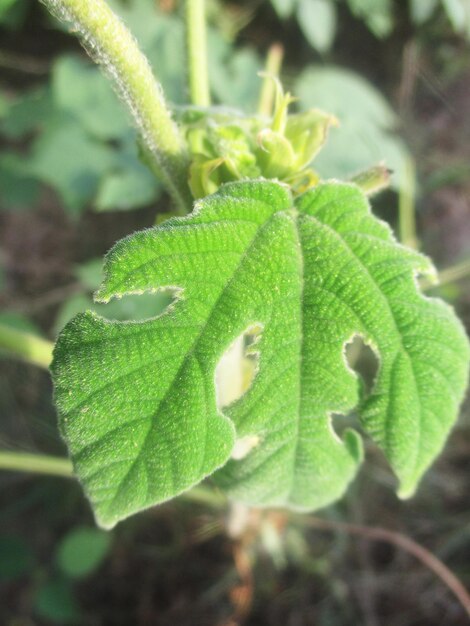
(406,206)
(196,37)
(61,466)
(404,543)
(454,273)
(35,463)
(109,42)
(272,70)
(206,496)
(450,275)
(26,346)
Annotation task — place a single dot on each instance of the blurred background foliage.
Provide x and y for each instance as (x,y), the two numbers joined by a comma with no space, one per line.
(396,74)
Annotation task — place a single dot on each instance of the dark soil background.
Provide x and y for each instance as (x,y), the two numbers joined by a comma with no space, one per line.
(176,564)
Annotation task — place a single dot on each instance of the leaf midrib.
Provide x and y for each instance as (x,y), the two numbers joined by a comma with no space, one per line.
(190,352)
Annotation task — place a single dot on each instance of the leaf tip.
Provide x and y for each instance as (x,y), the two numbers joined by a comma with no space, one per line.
(407,490)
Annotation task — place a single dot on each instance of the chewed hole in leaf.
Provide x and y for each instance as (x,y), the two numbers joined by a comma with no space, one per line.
(363,360)
(340,423)
(137,307)
(237,368)
(244,446)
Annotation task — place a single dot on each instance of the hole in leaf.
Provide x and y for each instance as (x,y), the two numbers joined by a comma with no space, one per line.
(340,423)
(362,359)
(244,445)
(237,368)
(137,307)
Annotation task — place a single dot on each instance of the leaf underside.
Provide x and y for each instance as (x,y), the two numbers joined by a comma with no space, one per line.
(137,400)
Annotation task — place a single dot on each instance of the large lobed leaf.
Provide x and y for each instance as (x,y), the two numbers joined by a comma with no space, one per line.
(137,400)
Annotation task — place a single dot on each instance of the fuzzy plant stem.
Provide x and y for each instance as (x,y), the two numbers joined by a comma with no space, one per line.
(196,40)
(110,44)
(35,463)
(26,346)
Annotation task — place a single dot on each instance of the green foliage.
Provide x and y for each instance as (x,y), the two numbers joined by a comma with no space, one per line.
(16,559)
(422,10)
(73,123)
(78,89)
(55,602)
(367,132)
(137,400)
(13,12)
(377,14)
(82,551)
(318,21)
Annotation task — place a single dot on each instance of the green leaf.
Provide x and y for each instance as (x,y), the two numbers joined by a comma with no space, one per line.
(317,19)
(5,5)
(377,14)
(28,113)
(13,12)
(234,74)
(82,551)
(458,12)
(82,91)
(55,602)
(17,558)
(284,8)
(127,189)
(18,189)
(421,10)
(65,158)
(137,401)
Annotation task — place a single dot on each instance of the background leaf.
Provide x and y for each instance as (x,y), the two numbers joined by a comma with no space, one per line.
(317,19)
(377,14)
(82,551)
(81,90)
(284,8)
(421,10)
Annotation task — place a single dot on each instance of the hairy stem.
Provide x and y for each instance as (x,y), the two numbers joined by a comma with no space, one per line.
(272,70)
(26,346)
(196,38)
(35,463)
(109,42)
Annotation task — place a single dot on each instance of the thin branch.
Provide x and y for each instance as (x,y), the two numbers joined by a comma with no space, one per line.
(399,540)
(406,206)
(454,273)
(272,70)
(26,346)
(196,38)
(35,463)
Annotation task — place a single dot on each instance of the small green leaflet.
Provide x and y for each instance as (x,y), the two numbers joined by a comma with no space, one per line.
(137,400)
